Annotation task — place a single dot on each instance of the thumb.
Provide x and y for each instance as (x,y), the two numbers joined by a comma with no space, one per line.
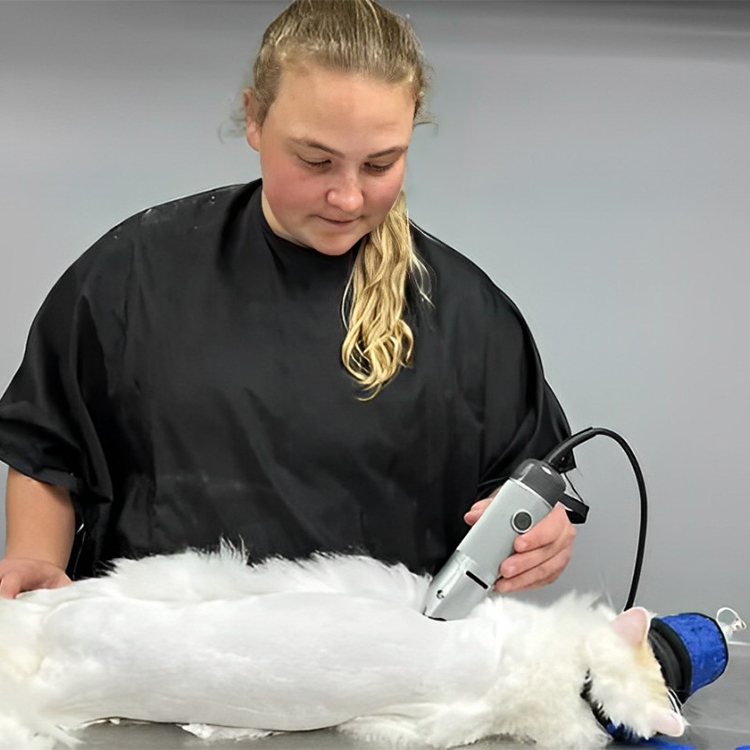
(10,586)
(60,581)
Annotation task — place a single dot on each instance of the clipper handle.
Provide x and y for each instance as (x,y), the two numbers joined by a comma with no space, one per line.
(525,499)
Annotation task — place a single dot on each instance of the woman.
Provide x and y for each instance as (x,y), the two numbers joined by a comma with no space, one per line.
(289,364)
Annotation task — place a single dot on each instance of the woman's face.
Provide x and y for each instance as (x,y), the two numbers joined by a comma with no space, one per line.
(332,155)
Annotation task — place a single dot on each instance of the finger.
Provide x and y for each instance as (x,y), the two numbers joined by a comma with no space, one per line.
(10,586)
(60,582)
(539,575)
(520,562)
(474,513)
(554,527)
(544,532)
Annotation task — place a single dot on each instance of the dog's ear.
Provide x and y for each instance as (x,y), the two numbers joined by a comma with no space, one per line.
(666,721)
(632,625)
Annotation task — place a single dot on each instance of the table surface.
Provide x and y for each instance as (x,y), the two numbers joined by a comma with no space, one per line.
(719,717)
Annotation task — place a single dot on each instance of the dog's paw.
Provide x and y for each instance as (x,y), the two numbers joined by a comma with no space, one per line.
(211,732)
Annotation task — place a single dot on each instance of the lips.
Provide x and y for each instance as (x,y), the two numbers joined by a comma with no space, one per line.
(338,222)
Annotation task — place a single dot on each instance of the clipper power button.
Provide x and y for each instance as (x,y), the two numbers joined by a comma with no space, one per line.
(521,521)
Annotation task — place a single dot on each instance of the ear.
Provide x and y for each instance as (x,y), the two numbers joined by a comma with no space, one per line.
(252,127)
(633,625)
(668,722)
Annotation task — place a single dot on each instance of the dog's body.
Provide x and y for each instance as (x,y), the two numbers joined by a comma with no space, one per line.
(205,640)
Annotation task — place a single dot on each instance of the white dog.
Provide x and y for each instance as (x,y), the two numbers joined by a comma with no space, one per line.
(206,641)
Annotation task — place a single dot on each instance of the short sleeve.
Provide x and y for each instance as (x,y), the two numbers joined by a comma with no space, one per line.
(523,418)
(47,423)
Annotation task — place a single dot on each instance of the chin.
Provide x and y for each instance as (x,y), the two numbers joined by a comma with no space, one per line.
(333,249)
(334,245)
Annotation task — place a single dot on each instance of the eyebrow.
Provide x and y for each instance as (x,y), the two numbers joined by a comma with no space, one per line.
(314,144)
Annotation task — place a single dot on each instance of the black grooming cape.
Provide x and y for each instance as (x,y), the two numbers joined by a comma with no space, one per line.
(183,380)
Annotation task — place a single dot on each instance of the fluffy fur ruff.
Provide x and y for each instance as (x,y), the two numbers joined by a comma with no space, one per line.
(226,649)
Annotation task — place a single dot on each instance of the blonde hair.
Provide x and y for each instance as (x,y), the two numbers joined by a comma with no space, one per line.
(360,36)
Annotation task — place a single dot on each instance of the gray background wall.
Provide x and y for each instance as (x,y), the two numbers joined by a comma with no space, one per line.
(593,157)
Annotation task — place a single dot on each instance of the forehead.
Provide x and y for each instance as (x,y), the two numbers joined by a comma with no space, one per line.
(320,105)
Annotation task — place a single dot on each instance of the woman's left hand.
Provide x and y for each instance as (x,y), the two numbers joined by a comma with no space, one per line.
(540,555)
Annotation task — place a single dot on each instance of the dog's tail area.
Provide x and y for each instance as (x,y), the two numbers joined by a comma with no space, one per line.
(22,720)
(21,723)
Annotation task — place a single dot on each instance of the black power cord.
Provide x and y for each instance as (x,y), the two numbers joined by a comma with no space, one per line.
(556,458)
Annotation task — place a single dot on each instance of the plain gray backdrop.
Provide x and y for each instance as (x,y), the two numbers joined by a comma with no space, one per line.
(593,158)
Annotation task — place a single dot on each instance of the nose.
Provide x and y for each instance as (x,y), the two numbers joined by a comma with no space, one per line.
(346,195)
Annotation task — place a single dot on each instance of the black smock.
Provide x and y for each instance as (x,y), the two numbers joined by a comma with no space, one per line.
(183,380)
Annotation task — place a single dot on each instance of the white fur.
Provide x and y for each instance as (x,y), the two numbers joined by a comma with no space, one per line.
(230,650)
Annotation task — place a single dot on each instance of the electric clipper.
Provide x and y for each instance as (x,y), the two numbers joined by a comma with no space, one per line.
(469,574)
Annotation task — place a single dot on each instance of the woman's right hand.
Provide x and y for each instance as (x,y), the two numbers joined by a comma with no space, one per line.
(23,574)
(40,527)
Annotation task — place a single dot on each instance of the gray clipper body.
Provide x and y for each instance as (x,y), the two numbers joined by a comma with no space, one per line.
(469,574)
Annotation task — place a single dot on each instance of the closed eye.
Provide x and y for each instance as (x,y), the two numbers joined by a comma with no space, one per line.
(315,164)
(380,168)
(376,168)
